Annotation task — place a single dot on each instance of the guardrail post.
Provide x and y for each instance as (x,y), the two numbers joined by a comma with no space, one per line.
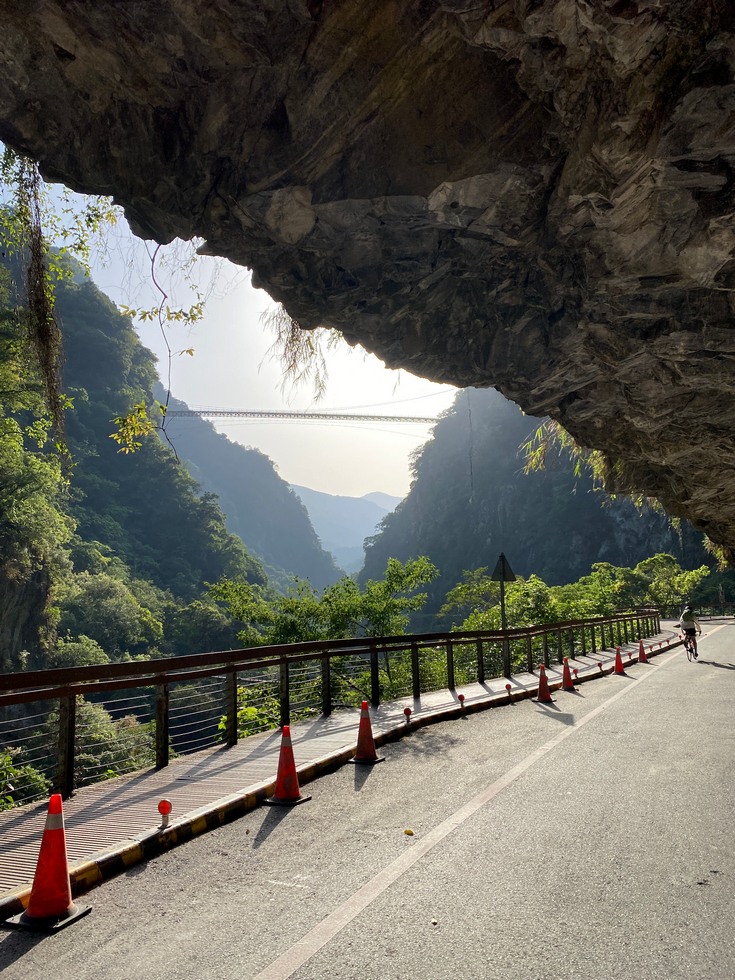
(594,640)
(284,693)
(415,671)
(529,653)
(584,640)
(480,664)
(231,708)
(65,759)
(571,644)
(374,679)
(326,686)
(162,726)
(546,650)
(450,665)
(625,628)
(617,625)
(559,648)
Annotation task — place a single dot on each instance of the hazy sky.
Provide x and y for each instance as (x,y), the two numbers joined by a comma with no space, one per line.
(230,368)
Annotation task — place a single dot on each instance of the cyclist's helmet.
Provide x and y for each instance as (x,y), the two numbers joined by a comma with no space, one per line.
(687,609)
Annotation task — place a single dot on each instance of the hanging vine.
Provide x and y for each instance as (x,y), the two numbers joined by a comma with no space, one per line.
(301,353)
(28,226)
(25,239)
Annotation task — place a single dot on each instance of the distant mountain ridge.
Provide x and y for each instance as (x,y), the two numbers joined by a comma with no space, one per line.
(342,523)
(386,500)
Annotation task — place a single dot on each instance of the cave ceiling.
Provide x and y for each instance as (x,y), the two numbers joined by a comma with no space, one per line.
(536,196)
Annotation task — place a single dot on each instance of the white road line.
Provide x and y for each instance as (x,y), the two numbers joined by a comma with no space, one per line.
(290,961)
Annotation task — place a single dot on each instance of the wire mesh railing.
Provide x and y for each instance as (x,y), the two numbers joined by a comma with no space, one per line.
(68,727)
(30,754)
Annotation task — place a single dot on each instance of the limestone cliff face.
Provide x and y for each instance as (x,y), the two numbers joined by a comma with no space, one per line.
(536,195)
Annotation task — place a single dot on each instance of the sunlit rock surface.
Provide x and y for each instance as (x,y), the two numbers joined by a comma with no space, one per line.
(532,195)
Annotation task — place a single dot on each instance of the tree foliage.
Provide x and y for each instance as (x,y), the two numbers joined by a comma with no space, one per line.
(658,582)
(341,610)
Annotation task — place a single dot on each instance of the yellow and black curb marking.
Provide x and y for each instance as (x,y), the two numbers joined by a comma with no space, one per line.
(106,864)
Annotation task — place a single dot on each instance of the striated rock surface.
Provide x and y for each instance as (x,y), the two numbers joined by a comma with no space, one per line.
(534,195)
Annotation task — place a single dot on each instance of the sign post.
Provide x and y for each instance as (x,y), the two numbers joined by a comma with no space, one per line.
(503,573)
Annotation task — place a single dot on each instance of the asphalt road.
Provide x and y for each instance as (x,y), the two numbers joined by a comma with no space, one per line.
(591,838)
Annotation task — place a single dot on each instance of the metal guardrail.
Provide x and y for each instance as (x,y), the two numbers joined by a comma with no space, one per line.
(182,704)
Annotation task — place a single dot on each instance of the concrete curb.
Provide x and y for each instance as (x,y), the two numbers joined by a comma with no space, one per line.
(106,864)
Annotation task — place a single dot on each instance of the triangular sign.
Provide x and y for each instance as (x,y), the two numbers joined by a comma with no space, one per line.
(503,572)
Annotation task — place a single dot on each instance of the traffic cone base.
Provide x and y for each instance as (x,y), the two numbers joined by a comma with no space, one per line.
(365,755)
(366,762)
(50,906)
(276,801)
(49,924)
(287,791)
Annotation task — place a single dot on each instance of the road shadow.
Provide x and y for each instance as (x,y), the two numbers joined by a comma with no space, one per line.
(362,772)
(714,663)
(14,944)
(553,711)
(274,817)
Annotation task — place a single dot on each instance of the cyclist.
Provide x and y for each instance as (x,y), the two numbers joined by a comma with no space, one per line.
(689,625)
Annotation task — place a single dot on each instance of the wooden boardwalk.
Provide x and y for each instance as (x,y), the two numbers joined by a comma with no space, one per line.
(113,824)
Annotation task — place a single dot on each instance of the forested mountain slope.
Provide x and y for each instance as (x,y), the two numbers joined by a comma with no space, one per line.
(142,506)
(258,505)
(470,500)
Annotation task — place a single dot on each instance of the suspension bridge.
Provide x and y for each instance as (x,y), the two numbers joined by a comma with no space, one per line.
(226,413)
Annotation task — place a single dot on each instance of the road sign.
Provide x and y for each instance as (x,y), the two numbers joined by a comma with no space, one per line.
(503,572)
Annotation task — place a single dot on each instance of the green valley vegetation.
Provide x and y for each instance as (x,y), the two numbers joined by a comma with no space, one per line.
(380,608)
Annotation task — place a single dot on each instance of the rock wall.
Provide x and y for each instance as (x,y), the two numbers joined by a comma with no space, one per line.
(533,195)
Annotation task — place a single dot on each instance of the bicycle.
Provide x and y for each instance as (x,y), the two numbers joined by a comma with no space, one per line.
(690,645)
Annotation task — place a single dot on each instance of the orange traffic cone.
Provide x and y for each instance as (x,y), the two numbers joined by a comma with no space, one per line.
(287,781)
(366,754)
(50,906)
(619,669)
(566,676)
(642,657)
(544,695)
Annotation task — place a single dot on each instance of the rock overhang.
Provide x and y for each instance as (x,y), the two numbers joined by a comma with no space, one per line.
(533,196)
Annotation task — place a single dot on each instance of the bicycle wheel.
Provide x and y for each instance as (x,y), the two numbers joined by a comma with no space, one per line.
(689,648)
